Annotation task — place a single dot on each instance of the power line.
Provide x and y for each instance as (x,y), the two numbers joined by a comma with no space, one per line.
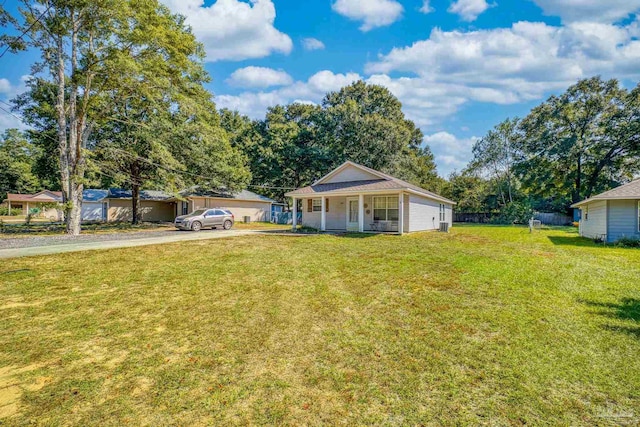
(28,28)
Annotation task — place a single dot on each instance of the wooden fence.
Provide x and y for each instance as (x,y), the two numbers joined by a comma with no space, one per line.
(547,218)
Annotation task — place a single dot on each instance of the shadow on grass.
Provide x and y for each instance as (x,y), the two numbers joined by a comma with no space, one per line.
(627,309)
(573,241)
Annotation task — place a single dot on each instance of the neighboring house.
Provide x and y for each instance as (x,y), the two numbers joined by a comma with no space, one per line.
(42,201)
(242,204)
(611,215)
(155,206)
(95,206)
(357,198)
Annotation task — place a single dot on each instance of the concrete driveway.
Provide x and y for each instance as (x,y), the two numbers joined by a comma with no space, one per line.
(46,245)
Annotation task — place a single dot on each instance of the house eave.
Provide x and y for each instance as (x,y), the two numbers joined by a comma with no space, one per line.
(341,193)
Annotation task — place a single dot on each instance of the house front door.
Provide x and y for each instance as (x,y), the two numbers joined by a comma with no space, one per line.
(352,214)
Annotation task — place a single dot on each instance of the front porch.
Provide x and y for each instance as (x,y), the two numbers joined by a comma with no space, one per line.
(363,212)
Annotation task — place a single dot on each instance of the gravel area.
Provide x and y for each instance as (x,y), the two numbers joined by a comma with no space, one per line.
(63,239)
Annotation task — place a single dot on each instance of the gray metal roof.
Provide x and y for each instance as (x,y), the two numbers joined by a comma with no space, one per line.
(152,195)
(94,195)
(628,191)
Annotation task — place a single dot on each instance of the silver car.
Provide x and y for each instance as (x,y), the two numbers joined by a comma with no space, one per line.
(205,218)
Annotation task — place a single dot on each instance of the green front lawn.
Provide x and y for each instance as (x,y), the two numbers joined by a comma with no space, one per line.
(485,325)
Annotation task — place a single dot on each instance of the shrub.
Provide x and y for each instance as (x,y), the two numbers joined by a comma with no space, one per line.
(514,213)
(4,211)
(628,242)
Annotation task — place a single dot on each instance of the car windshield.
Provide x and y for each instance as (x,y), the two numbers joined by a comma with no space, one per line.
(198,212)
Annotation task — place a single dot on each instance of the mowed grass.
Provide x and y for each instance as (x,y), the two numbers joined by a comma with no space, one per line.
(485,325)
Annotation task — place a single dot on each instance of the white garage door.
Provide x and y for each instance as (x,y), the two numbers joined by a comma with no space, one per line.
(92,211)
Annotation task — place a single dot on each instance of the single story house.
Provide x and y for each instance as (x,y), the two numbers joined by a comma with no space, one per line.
(114,204)
(612,215)
(242,204)
(353,197)
(155,206)
(43,201)
(95,205)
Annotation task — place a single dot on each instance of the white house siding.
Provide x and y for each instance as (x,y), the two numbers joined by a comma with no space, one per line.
(424,214)
(93,211)
(351,173)
(596,224)
(623,219)
(337,216)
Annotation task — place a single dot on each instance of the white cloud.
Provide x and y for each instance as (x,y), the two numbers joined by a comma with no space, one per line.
(468,10)
(233,29)
(372,13)
(607,11)
(8,91)
(451,153)
(426,7)
(312,44)
(5,86)
(510,65)
(254,104)
(259,77)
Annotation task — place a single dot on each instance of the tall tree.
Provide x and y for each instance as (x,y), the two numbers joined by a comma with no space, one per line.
(79,41)
(495,156)
(159,110)
(571,145)
(37,106)
(365,123)
(16,164)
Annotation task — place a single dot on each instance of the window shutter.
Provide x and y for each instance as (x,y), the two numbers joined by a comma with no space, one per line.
(309,205)
(326,205)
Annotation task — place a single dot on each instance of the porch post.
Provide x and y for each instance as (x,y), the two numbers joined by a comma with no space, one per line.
(400,213)
(323,214)
(27,208)
(360,213)
(9,212)
(295,214)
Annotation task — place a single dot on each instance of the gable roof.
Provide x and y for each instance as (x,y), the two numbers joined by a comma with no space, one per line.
(386,182)
(628,191)
(41,197)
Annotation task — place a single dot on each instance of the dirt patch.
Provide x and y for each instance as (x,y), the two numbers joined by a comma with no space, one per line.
(143,385)
(11,390)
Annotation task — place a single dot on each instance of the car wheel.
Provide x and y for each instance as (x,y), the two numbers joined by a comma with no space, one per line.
(196,226)
(227,225)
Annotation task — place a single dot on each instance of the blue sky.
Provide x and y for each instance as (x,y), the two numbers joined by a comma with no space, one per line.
(458,66)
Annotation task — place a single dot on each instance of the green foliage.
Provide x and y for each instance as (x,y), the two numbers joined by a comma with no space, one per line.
(298,143)
(514,213)
(581,142)
(570,147)
(16,164)
(4,211)
(628,242)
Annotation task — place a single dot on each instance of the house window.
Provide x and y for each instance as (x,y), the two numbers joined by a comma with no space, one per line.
(443,213)
(385,208)
(317,205)
(185,208)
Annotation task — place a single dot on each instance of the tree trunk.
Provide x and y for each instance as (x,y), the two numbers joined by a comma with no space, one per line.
(135,203)
(578,190)
(63,147)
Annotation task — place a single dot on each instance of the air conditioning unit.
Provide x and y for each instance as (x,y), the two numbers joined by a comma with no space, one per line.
(444,227)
